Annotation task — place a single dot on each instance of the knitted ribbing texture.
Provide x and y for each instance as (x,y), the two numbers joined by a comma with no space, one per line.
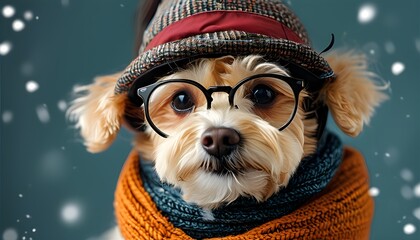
(343,210)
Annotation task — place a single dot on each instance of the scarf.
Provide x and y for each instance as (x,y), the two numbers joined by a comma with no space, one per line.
(312,206)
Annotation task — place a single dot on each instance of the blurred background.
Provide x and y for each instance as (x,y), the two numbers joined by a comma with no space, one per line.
(51,188)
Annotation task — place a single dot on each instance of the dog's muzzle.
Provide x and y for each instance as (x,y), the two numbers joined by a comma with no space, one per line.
(220,143)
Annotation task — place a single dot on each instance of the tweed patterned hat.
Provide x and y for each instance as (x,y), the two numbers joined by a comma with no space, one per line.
(184,30)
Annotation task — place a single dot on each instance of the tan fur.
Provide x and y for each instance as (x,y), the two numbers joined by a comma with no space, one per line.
(267,157)
(353,96)
(98,112)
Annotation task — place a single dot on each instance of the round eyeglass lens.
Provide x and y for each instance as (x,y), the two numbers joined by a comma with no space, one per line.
(270,98)
(171,103)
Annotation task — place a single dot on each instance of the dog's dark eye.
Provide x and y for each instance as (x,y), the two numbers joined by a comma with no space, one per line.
(182,102)
(262,95)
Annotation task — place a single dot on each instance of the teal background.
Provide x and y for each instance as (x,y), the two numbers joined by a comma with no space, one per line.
(44,166)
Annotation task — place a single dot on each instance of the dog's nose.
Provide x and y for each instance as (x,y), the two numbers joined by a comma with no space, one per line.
(220,142)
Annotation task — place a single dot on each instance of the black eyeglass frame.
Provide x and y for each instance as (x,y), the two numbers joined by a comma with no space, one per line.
(297,85)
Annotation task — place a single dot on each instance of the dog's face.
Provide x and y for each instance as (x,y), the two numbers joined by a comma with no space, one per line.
(232,149)
(216,145)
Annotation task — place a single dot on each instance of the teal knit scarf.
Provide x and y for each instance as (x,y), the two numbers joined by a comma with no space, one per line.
(311,177)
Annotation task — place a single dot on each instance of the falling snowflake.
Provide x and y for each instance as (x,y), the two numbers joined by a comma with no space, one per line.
(10,234)
(65,3)
(374,191)
(5,48)
(397,68)
(70,213)
(389,47)
(407,175)
(18,25)
(43,114)
(62,105)
(416,213)
(28,15)
(7,116)
(32,86)
(406,192)
(8,11)
(417,190)
(417,44)
(409,229)
(367,13)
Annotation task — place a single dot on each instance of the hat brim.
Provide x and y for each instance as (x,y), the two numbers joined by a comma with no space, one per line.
(233,43)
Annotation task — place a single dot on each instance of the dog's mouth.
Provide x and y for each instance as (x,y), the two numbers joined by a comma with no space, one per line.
(223,166)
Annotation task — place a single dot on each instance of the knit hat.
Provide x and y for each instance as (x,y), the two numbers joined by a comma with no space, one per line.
(184,30)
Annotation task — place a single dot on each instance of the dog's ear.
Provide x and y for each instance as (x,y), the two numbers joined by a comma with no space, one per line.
(98,112)
(353,95)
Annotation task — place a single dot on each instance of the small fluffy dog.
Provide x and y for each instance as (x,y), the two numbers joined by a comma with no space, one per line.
(223,127)
(214,155)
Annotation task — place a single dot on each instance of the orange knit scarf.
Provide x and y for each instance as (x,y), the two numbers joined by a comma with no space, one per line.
(343,210)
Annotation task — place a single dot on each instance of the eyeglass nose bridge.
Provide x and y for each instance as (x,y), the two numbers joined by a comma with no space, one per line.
(213,89)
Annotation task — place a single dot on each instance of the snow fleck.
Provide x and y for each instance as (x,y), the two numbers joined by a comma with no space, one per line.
(387,155)
(122,5)
(37,17)
(8,11)
(402,98)
(62,105)
(5,48)
(18,25)
(372,48)
(390,47)
(406,192)
(377,175)
(407,116)
(397,68)
(374,191)
(7,116)
(43,114)
(417,190)
(416,213)
(32,86)
(406,174)
(417,43)
(367,13)
(33,229)
(161,190)
(10,234)
(409,229)
(20,195)
(28,15)
(65,3)
(70,213)
(17,220)
(28,216)
(375,153)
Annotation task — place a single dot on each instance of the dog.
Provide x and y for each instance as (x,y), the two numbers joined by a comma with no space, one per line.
(229,126)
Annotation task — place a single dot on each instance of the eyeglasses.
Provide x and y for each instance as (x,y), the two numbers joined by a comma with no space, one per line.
(272,97)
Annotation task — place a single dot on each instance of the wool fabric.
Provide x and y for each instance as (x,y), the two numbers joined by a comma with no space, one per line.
(245,213)
(211,39)
(342,210)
